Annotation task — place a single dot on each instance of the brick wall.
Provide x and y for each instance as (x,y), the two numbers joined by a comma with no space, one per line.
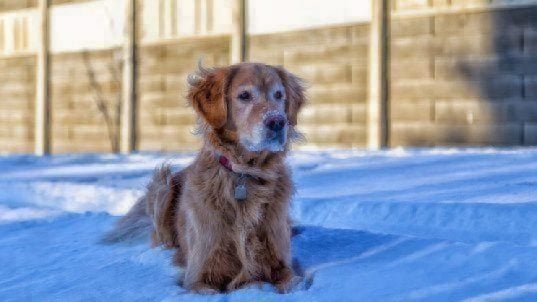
(465,78)
(17,86)
(333,60)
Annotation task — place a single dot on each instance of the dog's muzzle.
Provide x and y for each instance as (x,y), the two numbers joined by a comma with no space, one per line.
(276,128)
(269,135)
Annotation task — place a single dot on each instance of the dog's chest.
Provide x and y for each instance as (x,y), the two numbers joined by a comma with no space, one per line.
(255,198)
(238,201)
(250,209)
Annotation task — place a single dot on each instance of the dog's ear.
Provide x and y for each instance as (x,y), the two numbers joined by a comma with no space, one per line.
(296,95)
(207,94)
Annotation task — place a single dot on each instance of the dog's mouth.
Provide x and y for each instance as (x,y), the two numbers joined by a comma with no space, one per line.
(275,141)
(266,140)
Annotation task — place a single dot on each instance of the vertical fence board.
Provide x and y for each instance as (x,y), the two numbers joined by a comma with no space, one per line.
(42,104)
(238,32)
(377,122)
(127,120)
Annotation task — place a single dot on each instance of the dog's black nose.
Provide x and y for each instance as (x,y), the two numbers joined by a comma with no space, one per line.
(275,122)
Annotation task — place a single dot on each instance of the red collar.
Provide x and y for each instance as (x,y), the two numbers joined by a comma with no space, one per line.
(225,162)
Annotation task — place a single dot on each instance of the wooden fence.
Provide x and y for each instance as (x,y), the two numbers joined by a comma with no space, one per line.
(464,75)
(439,73)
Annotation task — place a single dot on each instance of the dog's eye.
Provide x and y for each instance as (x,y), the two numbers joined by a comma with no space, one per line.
(245,96)
(278,95)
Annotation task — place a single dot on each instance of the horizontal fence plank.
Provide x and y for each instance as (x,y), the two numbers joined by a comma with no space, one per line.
(490,20)
(165,116)
(359,113)
(337,93)
(498,87)
(410,4)
(327,54)
(471,112)
(70,117)
(476,67)
(324,36)
(411,110)
(479,44)
(18,131)
(412,27)
(432,134)
(413,68)
(10,5)
(14,146)
(16,116)
(326,114)
(324,73)
(341,133)
(168,145)
(23,103)
(163,99)
(81,146)
(467,23)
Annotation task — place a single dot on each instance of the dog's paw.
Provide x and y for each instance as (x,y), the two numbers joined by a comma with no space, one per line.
(285,280)
(290,285)
(203,289)
(241,280)
(246,285)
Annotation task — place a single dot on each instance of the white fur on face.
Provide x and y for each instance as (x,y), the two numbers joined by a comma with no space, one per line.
(250,117)
(258,140)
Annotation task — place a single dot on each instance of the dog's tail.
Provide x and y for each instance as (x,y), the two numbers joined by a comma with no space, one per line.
(141,220)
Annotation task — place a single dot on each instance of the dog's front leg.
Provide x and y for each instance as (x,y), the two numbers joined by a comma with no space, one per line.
(249,271)
(278,234)
(211,262)
(200,243)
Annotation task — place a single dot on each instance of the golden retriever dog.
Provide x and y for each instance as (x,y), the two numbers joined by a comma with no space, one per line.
(226,214)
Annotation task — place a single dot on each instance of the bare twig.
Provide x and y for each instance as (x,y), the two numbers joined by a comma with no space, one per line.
(112,123)
(102,101)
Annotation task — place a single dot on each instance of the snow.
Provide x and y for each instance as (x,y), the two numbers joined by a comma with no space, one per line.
(421,224)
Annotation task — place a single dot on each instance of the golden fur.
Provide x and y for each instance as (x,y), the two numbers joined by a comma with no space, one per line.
(221,242)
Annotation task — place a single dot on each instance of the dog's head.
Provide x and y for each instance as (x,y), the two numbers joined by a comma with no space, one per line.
(255,102)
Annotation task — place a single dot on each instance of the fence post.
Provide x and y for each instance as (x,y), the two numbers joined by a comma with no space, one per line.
(378,69)
(128,101)
(42,99)
(238,32)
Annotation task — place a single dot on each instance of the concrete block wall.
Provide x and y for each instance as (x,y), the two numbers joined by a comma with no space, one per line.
(464,78)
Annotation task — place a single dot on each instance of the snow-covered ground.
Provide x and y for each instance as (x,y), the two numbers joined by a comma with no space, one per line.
(441,224)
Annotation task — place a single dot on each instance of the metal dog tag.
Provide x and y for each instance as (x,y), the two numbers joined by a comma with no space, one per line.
(240,188)
(240,192)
